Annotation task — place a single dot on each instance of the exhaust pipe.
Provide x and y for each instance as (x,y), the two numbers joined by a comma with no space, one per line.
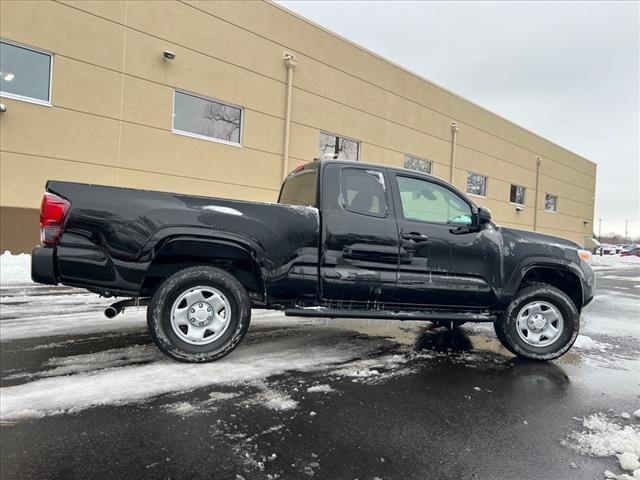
(117,308)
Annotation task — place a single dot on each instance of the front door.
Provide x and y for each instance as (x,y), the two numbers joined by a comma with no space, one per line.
(444,259)
(359,236)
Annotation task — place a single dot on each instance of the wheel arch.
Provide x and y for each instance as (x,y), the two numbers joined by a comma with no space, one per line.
(178,252)
(562,276)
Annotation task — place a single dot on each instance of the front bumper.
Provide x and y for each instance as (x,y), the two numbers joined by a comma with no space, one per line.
(43,269)
(588,285)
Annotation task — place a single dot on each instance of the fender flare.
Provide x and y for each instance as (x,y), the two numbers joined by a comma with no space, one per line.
(173,234)
(530,263)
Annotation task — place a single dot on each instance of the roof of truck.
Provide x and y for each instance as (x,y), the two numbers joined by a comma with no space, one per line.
(372,165)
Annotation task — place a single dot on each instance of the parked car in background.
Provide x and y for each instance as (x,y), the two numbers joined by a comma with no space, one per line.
(634,252)
(605,249)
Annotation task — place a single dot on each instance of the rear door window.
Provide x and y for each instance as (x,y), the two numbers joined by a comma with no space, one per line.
(363,191)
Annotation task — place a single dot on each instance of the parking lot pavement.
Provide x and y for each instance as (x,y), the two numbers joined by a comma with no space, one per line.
(86,397)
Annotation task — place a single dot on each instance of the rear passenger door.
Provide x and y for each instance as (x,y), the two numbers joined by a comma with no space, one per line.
(359,235)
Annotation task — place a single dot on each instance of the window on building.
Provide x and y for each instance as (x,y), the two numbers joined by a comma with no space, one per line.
(477,184)
(300,189)
(363,191)
(429,202)
(417,163)
(206,118)
(551,202)
(25,73)
(517,194)
(338,148)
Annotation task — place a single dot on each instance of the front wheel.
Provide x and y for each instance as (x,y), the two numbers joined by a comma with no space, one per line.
(541,323)
(199,314)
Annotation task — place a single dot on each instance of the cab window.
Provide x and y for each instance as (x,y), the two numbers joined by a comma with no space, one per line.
(429,202)
(300,189)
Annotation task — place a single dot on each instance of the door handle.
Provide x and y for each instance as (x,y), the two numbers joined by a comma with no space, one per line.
(415,237)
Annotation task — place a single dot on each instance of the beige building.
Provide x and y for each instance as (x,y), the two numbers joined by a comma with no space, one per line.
(193,97)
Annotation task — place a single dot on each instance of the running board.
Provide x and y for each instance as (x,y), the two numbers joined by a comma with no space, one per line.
(391,314)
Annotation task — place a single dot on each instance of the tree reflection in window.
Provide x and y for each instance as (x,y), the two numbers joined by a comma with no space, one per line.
(338,148)
(417,163)
(206,118)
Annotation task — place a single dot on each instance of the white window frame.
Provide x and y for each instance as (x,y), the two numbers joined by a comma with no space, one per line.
(204,137)
(416,157)
(545,202)
(524,194)
(486,185)
(344,138)
(22,98)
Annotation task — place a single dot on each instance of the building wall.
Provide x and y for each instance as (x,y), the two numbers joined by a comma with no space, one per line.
(110,121)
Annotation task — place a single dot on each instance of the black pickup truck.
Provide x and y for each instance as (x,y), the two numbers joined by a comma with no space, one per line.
(345,239)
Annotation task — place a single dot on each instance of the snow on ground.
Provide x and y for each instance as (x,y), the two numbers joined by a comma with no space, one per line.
(604,437)
(77,313)
(613,261)
(322,388)
(106,385)
(15,268)
(587,343)
(374,370)
(273,400)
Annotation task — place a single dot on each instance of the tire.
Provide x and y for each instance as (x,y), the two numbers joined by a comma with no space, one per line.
(501,337)
(180,307)
(527,327)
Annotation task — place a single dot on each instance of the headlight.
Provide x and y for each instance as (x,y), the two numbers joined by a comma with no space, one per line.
(585,255)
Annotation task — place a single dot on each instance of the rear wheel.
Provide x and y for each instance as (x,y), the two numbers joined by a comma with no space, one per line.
(199,314)
(541,323)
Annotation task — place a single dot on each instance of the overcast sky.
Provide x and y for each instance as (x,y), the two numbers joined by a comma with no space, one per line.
(568,71)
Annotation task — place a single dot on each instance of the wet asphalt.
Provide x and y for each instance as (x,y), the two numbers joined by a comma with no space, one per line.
(458,407)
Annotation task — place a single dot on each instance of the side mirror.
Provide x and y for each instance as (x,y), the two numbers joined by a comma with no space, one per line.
(484,216)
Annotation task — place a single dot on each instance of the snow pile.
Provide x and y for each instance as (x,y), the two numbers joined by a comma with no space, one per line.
(183,409)
(220,396)
(375,370)
(187,409)
(15,268)
(274,400)
(614,261)
(585,342)
(604,438)
(322,388)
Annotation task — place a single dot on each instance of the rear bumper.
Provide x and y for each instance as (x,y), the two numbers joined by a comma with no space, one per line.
(43,266)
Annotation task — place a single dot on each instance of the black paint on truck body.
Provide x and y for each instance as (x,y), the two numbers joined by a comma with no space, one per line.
(123,241)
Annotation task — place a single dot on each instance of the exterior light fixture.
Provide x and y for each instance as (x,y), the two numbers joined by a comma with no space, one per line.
(8,77)
(169,55)
(3,107)
(519,208)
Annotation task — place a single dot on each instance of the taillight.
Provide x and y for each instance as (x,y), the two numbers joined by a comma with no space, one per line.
(53,211)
